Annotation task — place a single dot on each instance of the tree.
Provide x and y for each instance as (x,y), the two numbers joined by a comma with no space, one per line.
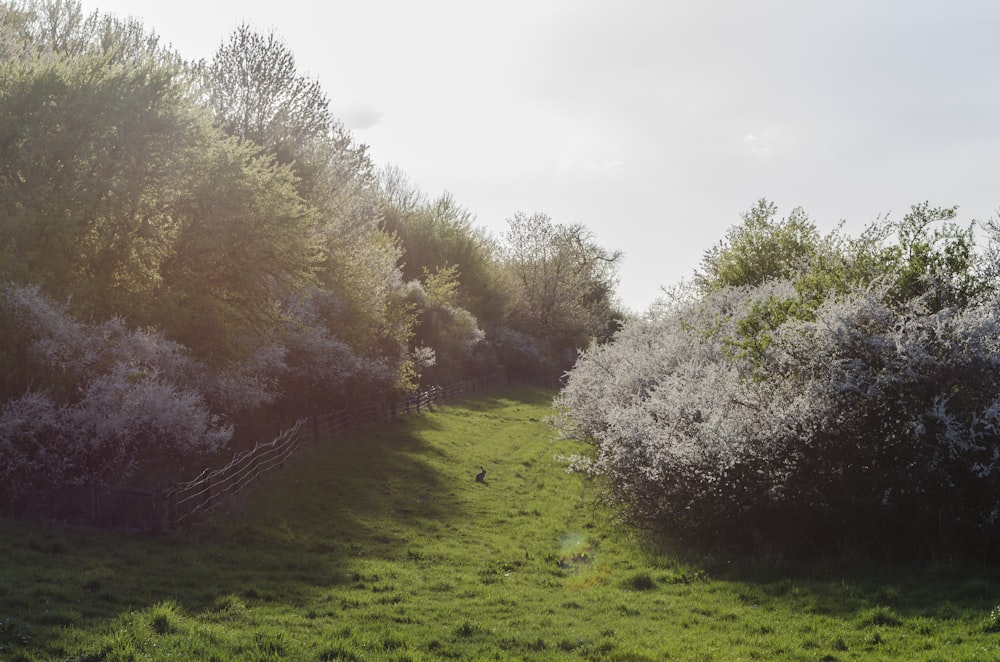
(930,257)
(440,233)
(564,284)
(118,193)
(245,240)
(43,28)
(760,249)
(91,155)
(255,90)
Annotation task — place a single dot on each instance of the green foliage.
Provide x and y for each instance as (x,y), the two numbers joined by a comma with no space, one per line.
(924,253)
(760,249)
(753,335)
(440,233)
(87,180)
(245,238)
(931,257)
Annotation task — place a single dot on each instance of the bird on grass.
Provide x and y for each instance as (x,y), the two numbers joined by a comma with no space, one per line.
(481,476)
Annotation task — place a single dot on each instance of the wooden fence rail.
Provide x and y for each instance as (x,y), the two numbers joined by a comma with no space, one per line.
(175,507)
(213,487)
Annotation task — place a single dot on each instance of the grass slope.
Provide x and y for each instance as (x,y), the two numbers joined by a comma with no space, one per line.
(381,546)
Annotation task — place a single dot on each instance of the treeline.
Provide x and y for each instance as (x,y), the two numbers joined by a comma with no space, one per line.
(811,394)
(185,245)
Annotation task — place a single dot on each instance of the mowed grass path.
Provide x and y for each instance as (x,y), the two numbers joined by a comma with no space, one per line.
(381,546)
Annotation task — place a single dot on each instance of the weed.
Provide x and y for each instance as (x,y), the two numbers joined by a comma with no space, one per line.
(992,622)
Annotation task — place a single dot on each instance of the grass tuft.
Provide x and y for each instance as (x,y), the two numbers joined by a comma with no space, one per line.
(640,581)
(879,616)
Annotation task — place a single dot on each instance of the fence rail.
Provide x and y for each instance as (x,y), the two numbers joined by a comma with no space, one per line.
(214,487)
(176,507)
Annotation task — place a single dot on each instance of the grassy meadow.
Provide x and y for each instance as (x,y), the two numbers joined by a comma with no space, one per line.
(382,546)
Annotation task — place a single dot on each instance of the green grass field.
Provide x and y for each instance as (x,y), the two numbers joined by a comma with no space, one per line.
(381,546)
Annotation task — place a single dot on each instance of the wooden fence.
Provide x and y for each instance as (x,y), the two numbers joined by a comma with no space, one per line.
(174,508)
(215,486)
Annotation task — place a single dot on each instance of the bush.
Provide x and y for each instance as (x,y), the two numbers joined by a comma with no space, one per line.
(110,404)
(862,423)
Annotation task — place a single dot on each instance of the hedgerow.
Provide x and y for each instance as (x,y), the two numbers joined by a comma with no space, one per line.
(753,416)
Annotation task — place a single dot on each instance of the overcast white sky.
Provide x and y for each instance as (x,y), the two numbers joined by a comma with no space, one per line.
(653,123)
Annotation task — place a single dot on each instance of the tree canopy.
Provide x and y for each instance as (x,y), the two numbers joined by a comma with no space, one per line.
(191,247)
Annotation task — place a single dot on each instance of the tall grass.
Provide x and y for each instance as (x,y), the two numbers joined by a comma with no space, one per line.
(382,546)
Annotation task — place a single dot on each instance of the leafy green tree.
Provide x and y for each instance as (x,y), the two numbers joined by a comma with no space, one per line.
(118,193)
(760,249)
(39,28)
(87,183)
(245,239)
(437,234)
(930,256)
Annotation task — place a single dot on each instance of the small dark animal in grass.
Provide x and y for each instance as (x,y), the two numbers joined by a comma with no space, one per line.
(481,476)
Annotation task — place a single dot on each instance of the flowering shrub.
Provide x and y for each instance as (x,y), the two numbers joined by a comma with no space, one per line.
(864,422)
(321,368)
(110,404)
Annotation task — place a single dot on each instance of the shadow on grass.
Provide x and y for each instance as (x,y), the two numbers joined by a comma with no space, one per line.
(868,590)
(504,396)
(300,530)
(337,509)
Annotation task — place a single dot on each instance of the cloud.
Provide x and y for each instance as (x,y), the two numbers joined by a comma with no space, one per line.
(755,145)
(592,165)
(358,116)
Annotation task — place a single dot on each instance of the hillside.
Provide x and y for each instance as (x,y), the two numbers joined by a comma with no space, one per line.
(382,546)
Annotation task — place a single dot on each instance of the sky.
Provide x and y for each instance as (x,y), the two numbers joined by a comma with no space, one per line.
(654,123)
